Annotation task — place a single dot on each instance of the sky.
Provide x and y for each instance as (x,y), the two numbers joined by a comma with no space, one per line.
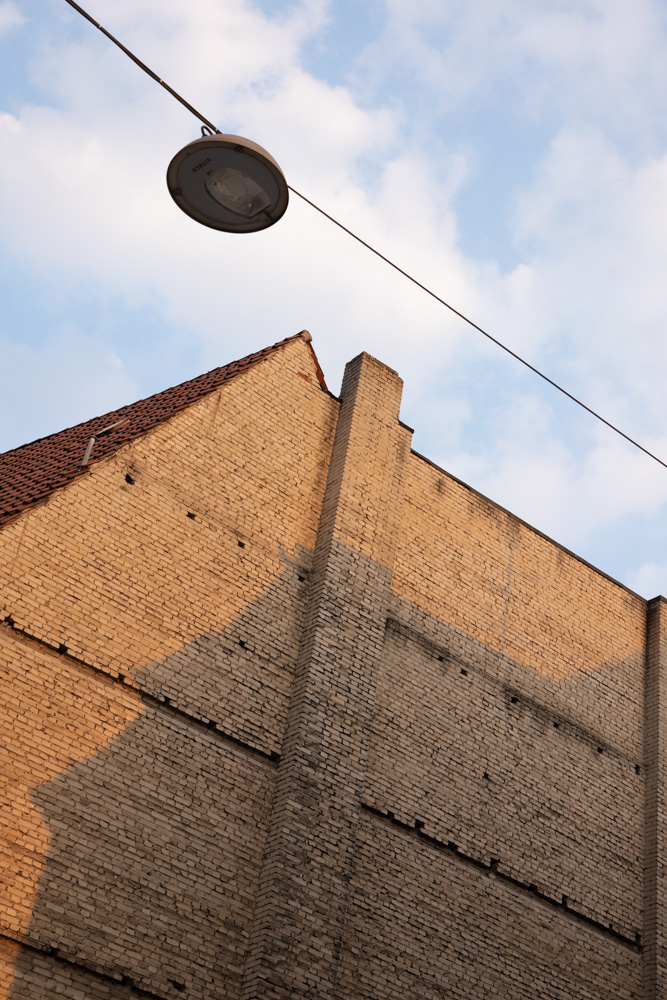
(511,155)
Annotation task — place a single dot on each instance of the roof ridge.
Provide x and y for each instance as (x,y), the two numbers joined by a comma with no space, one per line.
(33,471)
(241,361)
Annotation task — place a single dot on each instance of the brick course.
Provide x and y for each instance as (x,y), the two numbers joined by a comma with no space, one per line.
(289,712)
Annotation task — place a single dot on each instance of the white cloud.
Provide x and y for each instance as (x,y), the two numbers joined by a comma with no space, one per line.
(73,376)
(597,227)
(84,205)
(649,580)
(583,59)
(10,17)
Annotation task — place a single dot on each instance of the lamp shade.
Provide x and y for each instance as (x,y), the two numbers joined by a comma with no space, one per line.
(229,183)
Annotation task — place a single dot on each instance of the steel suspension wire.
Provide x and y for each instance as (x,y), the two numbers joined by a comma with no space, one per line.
(479,329)
(142,65)
(377,253)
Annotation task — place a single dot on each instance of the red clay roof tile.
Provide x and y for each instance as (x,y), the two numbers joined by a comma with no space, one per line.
(30,474)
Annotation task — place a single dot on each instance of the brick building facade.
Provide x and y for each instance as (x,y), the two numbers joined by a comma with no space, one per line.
(289,712)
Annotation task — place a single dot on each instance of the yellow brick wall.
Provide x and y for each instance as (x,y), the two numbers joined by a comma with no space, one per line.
(139,830)
(138,795)
(508,717)
(538,616)
(457,807)
(426,924)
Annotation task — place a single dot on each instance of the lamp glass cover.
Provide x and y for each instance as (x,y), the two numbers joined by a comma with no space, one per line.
(237,192)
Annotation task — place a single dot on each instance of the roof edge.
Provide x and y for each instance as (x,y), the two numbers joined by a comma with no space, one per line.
(531,527)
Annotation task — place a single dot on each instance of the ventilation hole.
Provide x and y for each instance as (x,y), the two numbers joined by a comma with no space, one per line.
(494,862)
(390,815)
(10,621)
(241,545)
(452,846)
(637,769)
(514,700)
(242,643)
(486,777)
(121,677)
(599,749)
(441,659)
(556,725)
(129,479)
(419,824)
(166,701)
(301,579)
(62,648)
(464,672)
(564,900)
(211,724)
(191,515)
(177,986)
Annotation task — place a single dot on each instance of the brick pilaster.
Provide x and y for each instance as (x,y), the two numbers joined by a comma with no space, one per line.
(293,949)
(655,844)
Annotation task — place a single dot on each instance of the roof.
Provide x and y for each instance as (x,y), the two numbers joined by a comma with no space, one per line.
(31,473)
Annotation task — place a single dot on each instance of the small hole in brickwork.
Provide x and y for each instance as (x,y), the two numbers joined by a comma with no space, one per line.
(494,862)
(514,700)
(564,900)
(129,479)
(121,677)
(191,515)
(556,724)
(419,824)
(440,659)
(390,815)
(241,545)
(62,648)
(177,986)
(637,769)
(166,701)
(10,621)
(464,672)
(599,749)
(452,846)
(211,724)
(242,643)
(301,578)
(486,777)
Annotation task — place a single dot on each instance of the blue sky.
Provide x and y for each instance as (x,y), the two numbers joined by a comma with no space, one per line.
(512,155)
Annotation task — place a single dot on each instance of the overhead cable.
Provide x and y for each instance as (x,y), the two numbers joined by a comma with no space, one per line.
(377,253)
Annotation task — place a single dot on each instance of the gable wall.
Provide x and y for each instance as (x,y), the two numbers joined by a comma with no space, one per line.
(507,755)
(139,799)
(458,806)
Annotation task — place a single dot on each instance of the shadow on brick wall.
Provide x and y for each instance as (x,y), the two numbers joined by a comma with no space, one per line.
(157,839)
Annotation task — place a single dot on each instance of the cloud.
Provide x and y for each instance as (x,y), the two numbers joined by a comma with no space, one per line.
(10,17)
(583,298)
(584,60)
(73,376)
(649,580)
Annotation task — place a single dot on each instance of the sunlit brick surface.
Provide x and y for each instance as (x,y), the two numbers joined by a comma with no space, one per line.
(290,713)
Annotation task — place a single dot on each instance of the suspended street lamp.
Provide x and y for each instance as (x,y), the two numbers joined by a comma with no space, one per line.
(228,182)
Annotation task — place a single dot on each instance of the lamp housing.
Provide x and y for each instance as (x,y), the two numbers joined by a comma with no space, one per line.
(228,183)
